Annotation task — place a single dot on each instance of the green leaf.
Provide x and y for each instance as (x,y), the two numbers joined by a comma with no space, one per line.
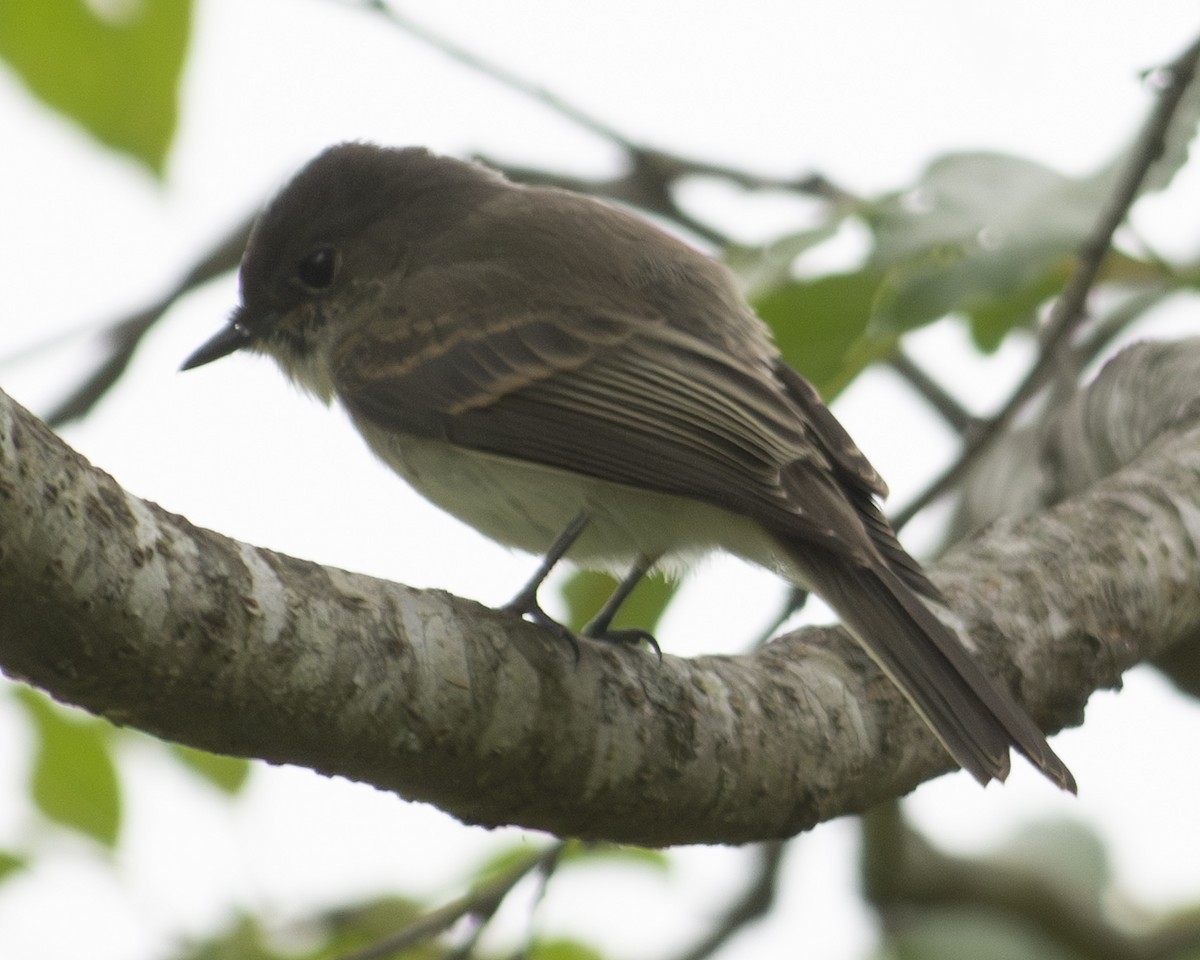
(1009,199)
(337,933)
(764,268)
(586,591)
(243,940)
(953,934)
(116,75)
(513,857)
(578,852)
(74,778)
(991,320)
(575,852)
(821,327)
(10,863)
(228,774)
(354,929)
(976,230)
(562,949)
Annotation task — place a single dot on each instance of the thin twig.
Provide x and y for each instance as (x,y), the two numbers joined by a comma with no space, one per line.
(1068,311)
(953,412)
(755,902)
(1108,328)
(122,337)
(645,185)
(905,877)
(482,902)
(667,167)
(493,71)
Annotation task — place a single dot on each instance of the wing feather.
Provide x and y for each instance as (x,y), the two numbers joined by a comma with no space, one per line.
(629,400)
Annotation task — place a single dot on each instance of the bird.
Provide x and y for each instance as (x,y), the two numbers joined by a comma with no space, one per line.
(572,380)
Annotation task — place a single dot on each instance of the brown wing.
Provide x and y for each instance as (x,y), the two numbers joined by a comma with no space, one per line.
(624,399)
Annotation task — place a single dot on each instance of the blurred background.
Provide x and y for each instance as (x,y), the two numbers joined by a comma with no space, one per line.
(811,145)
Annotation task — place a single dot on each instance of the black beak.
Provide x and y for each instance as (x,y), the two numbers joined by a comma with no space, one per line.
(230,338)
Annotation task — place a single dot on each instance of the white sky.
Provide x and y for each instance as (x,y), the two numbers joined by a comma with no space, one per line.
(866,92)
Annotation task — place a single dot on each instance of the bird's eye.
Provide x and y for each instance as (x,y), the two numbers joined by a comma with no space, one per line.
(317,267)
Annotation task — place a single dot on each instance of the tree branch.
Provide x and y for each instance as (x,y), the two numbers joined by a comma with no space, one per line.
(482,903)
(906,876)
(953,413)
(112,603)
(754,903)
(121,338)
(492,71)
(1068,310)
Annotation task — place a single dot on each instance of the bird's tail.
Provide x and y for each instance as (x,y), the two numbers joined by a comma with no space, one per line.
(975,718)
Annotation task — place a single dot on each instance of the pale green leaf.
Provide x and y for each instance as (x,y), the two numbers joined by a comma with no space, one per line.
(74,778)
(228,774)
(117,75)
(976,229)
(822,326)
(586,590)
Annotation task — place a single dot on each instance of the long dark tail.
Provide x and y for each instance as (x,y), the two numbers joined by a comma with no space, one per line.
(975,719)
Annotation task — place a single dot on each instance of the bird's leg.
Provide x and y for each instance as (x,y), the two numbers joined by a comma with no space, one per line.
(600,627)
(525,603)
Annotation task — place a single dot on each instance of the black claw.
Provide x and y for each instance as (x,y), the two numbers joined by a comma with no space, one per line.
(625,637)
(526,607)
(601,626)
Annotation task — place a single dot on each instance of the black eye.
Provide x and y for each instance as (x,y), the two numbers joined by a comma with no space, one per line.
(317,267)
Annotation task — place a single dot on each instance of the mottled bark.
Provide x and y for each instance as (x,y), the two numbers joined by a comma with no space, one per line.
(114,604)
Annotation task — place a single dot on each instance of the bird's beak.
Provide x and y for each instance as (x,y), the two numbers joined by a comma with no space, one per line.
(233,336)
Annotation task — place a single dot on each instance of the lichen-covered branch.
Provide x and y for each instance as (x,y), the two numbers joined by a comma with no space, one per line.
(117,605)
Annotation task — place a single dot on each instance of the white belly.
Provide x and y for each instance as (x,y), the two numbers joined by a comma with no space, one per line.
(527,506)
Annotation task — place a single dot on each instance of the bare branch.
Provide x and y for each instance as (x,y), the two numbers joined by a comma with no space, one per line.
(651,175)
(952,412)
(756,902)
(482,902)
(906,874)
(112,603)
(492,71)
(123,336)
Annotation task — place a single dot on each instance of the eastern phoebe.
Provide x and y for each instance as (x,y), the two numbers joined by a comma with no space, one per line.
(534,361)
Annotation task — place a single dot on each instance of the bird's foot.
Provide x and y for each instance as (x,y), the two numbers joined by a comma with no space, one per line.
(626,637)
(525,606)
